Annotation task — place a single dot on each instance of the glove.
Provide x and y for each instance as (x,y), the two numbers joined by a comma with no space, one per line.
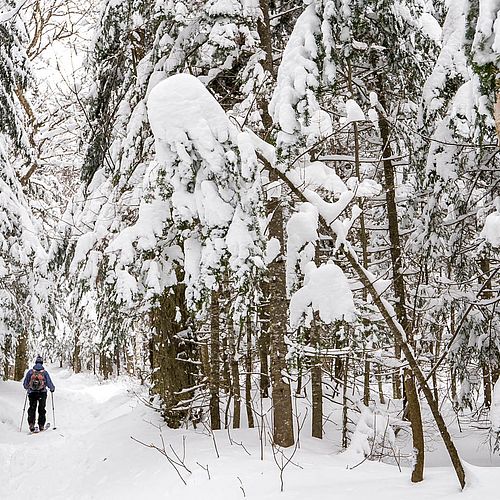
(52,390)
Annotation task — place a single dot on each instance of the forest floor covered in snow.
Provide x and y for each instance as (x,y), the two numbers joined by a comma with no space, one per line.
(91,456)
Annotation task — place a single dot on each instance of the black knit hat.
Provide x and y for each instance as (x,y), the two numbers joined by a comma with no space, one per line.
(39,359)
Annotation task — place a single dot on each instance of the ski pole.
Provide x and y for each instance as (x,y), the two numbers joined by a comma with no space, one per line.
(24,409)
(53,412)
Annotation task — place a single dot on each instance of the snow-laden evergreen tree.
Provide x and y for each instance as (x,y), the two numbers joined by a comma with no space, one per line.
(22,258)
(349,55)
(211,40)
(14,74)
(457,173)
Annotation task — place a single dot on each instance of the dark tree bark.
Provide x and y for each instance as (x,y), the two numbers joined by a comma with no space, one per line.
(345,374)
(214,382)
(77,364)
(248,374)
(399,286)
(235,372)
(281,392)
(317,380)
(21,361)
(7,347)
(171,353)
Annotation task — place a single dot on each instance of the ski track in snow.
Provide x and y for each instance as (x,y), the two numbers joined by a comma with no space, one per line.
(91,456)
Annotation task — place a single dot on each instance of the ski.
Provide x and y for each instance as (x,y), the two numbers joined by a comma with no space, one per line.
(37,430)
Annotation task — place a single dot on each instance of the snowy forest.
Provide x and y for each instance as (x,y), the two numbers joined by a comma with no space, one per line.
(257,245)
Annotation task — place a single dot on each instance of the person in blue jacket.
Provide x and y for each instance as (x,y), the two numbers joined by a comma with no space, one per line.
(36,381)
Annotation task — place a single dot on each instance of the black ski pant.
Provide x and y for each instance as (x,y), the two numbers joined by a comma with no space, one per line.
(35,398)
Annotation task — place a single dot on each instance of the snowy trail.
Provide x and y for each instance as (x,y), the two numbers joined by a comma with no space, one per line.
(70,461)
(91,456)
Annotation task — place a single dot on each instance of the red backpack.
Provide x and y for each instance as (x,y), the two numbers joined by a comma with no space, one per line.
(37,381)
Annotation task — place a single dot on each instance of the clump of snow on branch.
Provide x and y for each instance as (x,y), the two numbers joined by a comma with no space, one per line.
(491,229)
(326,291)
(353,112)
(294,100)
(302,231)
(202,190)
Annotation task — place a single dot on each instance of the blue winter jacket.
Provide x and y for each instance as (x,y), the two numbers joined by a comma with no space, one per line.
(48,381)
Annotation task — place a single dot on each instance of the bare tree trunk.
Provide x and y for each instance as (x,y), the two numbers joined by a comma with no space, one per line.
(487,294)
(380,386)
(117,358)
(366,382)
(171,354)
(214,361)
(264,340)
(399,286)
(248,374)
(486,384)
(281,391)
(21,361)
(317,380)
(226,370)
(77,364)
(344,403)
(235,372)
(497,110)
(417,431)
(363,237)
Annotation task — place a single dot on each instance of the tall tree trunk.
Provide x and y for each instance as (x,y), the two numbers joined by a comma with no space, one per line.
(345,375)
(117,358)
(264,381)
(172,353)
(214,361)
(235,371)
(487,294)
(380,386)
(6,356)
(399,286)
(316,369)
(366,381)
(486,384)
(248,373)
(281,391)
(77,365)
(21,361)
(363,236)
(317,380)
(226,369)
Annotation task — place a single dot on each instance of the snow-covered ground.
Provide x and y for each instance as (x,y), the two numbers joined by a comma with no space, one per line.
(91,456)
